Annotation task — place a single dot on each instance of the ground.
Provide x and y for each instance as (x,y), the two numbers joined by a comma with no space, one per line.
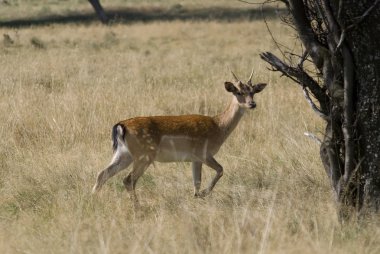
(63,87)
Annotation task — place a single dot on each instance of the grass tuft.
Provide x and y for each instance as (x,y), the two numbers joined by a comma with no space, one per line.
(37,43)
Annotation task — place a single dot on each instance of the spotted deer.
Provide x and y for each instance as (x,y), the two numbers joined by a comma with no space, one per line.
(185,138)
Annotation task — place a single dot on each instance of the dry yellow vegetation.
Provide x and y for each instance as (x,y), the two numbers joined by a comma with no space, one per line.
(62,87)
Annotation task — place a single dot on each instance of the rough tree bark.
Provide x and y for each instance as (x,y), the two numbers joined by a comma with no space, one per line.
(342,39)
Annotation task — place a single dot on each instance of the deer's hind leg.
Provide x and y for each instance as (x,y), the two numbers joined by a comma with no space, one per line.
(139,167)
(121,160)
(197,176)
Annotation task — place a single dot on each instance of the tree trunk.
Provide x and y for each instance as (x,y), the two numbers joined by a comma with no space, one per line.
(99,11)
(342,39)
(364,41)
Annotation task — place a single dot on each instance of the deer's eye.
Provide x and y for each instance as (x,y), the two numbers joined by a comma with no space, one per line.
(239,93)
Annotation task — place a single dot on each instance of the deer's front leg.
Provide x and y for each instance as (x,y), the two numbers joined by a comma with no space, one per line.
(197,176)
(212,163)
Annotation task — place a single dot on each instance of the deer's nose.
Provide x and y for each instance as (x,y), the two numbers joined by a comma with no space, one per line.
(252,104)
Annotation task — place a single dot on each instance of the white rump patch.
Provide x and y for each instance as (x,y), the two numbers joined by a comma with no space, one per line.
(121,151)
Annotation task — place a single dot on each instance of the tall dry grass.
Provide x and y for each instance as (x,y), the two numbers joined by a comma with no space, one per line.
(59,101)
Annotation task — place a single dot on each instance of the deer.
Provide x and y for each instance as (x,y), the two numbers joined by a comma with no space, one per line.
(185,138)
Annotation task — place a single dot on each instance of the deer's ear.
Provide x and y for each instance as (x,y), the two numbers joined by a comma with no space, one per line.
(259,87)
(230,87)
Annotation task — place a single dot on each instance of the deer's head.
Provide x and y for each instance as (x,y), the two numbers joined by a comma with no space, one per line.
(244,92)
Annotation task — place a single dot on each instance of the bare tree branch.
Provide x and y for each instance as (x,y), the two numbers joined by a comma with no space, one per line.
(313,137)
(303,58)
(271,34)
(317,52)
(330,158)
(364,15)
(313,106)
(301,77)
(99,11)
(356,22)
(341,40)
(348,108)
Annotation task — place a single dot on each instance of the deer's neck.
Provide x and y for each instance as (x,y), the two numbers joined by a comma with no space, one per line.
(229,119)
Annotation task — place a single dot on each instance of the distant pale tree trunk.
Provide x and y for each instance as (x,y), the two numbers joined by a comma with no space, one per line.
(342,40)
(99,11)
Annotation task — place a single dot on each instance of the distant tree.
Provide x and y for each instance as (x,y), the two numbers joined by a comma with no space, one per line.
(99,11)
(342,41)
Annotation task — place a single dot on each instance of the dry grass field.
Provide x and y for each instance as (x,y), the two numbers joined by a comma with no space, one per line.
(62,87)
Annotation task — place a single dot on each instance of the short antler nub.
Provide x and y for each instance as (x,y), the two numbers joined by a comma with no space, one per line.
(236,78)
(250,78)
